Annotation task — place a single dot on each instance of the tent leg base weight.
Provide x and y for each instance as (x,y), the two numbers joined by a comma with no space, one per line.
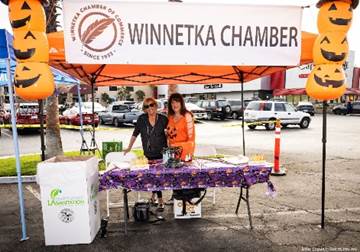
(280,172)
(25,239)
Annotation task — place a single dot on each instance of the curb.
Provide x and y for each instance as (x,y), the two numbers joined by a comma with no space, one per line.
(14,180)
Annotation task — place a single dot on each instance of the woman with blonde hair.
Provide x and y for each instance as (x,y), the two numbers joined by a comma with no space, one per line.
(151,127)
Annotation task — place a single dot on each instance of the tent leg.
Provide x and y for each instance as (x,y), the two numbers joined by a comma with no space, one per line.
(93,144)
(17,155)
(84,147)
(41,114)
(323,165)
(240,74)
(243,108)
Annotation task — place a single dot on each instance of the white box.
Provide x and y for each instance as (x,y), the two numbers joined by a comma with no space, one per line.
(69,188)
(192,211)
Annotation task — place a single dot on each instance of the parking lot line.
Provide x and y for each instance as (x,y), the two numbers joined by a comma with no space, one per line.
(33,191)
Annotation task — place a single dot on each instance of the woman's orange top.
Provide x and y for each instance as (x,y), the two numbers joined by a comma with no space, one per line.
(182,133)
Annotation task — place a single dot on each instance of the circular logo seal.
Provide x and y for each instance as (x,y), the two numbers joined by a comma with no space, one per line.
(66,215)
(99,29)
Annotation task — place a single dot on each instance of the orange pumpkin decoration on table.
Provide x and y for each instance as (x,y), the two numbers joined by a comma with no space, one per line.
(30,46)
(330,48)
(326,82)
(27,15)
(335,16)
(33,81)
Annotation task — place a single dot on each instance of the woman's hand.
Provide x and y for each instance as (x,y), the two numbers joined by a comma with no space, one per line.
(127,150)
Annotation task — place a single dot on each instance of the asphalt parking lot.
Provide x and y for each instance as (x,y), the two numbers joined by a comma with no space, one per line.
(288,222)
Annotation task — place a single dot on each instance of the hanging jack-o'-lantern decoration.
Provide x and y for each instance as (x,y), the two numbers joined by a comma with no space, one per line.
(330,48)
(326,82)
(31,46)
(335,16)
(27,15)
(33,81)
(354,3)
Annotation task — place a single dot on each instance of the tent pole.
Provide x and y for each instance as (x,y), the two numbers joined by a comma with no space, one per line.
(323,165)
(243,108)
(240,74)
(93,144)
(93,111)
(84,145)
(41,114)
(17,155)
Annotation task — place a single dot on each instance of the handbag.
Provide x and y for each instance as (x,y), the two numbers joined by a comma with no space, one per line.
(186,195)
(189,194)
(141,211)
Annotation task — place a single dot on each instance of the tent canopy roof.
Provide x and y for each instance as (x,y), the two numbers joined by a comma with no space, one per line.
(132,75)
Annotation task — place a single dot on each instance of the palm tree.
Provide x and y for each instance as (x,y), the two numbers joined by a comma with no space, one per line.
(53,137)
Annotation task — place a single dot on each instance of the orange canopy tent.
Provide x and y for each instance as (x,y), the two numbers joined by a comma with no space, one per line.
(132,75)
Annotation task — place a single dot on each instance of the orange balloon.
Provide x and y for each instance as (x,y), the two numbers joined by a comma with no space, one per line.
(27,15)
(330,48)
(33,81)
(31,46)
(326,82)
(334,16)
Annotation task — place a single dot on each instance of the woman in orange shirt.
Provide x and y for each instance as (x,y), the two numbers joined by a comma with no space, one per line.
(181,128)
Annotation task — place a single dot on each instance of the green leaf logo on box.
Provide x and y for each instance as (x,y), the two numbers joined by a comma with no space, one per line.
(54,193)
(57,200)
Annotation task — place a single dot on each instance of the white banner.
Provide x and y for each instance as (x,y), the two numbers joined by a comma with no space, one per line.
(113,32)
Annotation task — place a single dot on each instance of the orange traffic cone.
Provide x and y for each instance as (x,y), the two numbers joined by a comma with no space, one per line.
(277,170)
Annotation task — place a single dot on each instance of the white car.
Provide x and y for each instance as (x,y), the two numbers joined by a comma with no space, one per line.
(260,112)
(87,107)
(198,112)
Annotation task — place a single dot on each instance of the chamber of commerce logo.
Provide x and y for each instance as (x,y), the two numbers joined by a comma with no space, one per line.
(99,29)
(66,215)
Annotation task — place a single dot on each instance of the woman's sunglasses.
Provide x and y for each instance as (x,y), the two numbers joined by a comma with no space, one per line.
(150,105)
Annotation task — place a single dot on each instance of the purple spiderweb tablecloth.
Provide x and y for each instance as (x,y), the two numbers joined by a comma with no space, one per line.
(192,175)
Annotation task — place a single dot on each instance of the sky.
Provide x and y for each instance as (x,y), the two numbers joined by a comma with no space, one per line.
(308,21)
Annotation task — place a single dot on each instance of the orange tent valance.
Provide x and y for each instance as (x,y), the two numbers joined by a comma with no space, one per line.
(132,75)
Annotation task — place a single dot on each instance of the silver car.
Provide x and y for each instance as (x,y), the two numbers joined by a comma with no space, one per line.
(118,114)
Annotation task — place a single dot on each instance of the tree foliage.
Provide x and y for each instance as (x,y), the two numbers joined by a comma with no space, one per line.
(123,93)
(140,95)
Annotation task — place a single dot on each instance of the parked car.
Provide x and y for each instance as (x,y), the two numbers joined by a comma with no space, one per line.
(87,106)
(342,108)
(193,100)
(263,111)
(71,116)
(199,113)
(118,114)
(4,116)
(26,114)
(306,107)
(237,110)
(216,108)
